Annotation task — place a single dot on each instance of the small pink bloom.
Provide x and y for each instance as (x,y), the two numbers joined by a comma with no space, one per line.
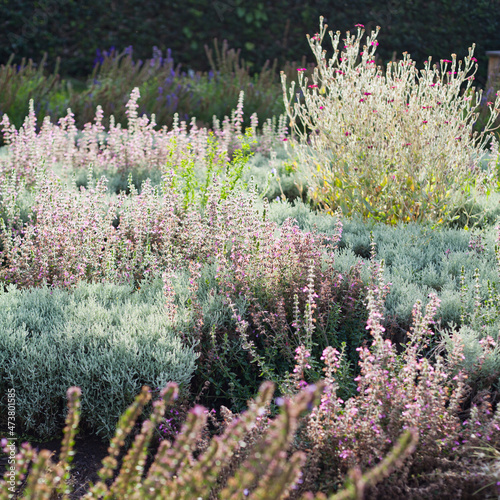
(313,86)
(321,107)
(301,69)
(359,25)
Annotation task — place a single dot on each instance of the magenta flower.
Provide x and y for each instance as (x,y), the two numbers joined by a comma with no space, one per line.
(301,69)
(359,25)
(312,86)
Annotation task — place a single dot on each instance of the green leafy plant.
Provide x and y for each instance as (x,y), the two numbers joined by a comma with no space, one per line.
(106,339)
(29,80)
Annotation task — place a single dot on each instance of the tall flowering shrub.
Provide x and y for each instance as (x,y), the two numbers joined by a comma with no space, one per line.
(395,145)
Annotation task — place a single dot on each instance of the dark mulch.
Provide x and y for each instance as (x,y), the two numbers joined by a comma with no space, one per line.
(90,450)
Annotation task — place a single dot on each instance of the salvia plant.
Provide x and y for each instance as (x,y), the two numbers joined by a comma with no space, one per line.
(394,145)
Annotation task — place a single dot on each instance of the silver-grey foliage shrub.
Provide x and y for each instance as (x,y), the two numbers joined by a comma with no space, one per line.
(418,259)
(102,338)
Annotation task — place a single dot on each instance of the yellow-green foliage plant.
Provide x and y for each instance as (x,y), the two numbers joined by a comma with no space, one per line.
(223,470)
(394,144)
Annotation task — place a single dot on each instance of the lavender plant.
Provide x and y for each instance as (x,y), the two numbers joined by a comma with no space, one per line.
(394,145)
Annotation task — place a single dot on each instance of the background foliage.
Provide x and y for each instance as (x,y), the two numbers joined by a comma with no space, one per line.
(263,29)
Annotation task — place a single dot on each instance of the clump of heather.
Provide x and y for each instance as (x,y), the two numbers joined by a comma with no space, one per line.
(283,290)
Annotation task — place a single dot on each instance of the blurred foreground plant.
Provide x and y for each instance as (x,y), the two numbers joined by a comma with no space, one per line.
(229,466)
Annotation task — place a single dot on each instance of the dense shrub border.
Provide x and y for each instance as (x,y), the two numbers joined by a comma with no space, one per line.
(421,27)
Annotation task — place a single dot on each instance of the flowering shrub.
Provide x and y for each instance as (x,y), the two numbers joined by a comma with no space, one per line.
(283,290)
(394,145)
(120,150)
(395,392)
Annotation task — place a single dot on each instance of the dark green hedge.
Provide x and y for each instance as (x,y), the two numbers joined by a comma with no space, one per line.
(262,29)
